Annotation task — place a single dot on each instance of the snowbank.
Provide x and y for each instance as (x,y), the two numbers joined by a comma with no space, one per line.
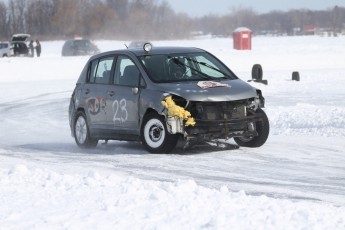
(38,198)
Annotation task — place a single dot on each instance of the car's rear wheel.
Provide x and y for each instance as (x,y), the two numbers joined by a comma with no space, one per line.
(262,128)
(81,132)
(154,135)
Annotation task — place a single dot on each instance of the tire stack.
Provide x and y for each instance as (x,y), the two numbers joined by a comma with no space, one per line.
(257,74)
(295,76)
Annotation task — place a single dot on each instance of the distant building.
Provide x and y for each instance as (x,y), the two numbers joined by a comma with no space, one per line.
(310,29)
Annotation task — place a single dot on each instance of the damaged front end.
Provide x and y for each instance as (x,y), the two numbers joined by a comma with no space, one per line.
(212,120)
(177,117)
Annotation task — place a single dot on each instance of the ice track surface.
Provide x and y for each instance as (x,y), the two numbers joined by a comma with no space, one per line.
(296,180)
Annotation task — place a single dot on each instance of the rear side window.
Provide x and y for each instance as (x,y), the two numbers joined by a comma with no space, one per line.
(100,69)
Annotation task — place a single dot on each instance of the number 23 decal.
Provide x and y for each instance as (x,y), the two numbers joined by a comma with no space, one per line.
(120,111)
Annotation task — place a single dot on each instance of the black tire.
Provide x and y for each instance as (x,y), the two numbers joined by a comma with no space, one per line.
(81,132)
(257,72)
(295,76)
(263,129)
(154,135)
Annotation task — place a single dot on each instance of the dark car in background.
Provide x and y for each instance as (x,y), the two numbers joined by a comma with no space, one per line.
(79,47)
(163,94)
(19,45)
(137,44)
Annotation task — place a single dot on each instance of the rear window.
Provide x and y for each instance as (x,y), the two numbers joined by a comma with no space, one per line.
(82,43)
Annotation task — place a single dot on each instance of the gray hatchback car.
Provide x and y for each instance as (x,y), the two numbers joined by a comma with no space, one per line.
(161,95)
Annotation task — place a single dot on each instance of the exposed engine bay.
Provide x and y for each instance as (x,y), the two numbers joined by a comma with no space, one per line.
(212,120)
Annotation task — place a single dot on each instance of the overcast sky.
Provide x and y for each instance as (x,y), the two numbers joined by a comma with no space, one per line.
(204,7)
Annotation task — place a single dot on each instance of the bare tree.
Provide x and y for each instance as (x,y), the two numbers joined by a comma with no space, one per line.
(17,20)
(120,7)
(145,19)
(39,16)
(165,21)
(337,18)
(4,33)
(66,18)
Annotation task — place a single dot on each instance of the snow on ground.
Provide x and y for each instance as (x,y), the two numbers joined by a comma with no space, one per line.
(295,181)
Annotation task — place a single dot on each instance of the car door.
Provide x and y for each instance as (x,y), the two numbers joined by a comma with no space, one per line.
(95,91)
(123,97)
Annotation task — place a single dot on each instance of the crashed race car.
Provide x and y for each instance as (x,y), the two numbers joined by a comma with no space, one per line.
(159,95)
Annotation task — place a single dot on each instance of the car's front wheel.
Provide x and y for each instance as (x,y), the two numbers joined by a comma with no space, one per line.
(262,128)
(81,132)
(154,135)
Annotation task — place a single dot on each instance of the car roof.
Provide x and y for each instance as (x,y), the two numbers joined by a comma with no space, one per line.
(154,51)
(165,50)
(76,40)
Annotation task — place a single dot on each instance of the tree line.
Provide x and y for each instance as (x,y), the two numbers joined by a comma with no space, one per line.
(146,19)
(279,22)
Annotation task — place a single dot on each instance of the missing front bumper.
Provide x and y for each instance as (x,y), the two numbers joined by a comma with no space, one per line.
(223,129)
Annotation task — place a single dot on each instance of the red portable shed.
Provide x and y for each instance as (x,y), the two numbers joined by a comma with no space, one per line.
(242,37)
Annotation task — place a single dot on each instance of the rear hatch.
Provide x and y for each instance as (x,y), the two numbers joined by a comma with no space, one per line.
(20,37)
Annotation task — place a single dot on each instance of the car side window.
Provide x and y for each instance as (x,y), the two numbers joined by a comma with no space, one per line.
(126,72)
(100,70)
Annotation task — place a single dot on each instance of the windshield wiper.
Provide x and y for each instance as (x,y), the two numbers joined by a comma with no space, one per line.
(209,66)
(201,74)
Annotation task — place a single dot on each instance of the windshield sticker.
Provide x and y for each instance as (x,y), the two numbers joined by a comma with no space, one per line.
(211,84)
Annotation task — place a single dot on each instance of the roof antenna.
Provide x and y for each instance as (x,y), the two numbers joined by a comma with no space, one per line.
(126,46)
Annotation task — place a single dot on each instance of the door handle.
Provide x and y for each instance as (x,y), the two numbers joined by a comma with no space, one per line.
(111,93)
(135,90)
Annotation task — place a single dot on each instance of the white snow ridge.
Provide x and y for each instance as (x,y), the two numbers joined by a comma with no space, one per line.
(295,181)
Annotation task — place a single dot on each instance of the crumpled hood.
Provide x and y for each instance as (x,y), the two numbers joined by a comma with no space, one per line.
(236,90)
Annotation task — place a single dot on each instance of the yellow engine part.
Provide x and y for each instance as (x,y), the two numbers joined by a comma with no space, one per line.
(177,111)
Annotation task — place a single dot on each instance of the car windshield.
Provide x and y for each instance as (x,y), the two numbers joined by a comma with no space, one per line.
(185,67)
